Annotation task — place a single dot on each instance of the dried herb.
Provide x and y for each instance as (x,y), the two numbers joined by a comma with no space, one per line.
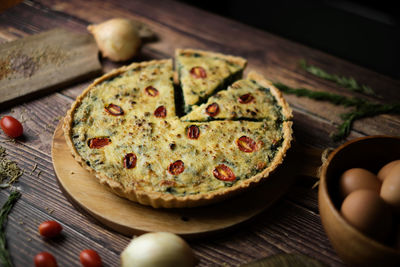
(5,258)
(347,82)
(363,108)
(9,170)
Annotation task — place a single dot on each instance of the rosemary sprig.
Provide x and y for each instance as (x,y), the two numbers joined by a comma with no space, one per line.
(322,96)
(364,111)
(5,258)
(347,82)
(363,108)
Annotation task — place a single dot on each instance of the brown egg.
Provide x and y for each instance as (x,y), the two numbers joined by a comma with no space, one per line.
(367,212)
(386,169)
(390,191)
(357,178)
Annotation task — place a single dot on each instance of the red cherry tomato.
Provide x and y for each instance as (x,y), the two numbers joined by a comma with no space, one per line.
(90,258)
(50,229)
(246,144)
(176,167)
(98,142)
(130,160)
(224,173)
(160,112)
(11,126)
(45,259)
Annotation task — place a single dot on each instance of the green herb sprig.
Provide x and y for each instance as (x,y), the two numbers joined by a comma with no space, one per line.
(347,82)
(322,96)
(5,258)
(363,108)
(364,111)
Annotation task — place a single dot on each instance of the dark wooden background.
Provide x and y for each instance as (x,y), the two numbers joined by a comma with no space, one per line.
(291,226)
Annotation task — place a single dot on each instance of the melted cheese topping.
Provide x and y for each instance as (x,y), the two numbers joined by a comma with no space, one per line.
(217,71)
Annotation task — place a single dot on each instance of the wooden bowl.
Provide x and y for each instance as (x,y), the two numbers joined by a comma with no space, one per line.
(352,246)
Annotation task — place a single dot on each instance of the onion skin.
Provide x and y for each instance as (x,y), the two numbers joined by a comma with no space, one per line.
(118,39)
(159,249)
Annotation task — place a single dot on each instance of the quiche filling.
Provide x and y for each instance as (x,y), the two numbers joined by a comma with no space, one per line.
(124,128)
(180,157)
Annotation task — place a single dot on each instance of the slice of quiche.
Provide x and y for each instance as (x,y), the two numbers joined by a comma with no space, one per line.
(253,98)
(202,73)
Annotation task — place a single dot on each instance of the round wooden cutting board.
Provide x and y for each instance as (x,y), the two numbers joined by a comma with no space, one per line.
(130,218)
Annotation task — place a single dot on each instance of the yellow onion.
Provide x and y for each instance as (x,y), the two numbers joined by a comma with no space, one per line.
(118,39)
(159,249)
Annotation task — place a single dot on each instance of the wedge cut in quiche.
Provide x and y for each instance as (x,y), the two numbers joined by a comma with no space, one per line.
(253,98)
(202,73)
(124,130)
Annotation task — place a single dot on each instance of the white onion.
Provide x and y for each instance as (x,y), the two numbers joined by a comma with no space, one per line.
(118,39)
(159,249)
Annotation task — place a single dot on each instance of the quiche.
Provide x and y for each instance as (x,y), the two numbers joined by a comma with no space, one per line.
(202,73)
(123,128)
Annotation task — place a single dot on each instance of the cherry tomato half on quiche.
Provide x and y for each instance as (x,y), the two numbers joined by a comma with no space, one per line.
(11,126)
(45,259)
(50,229)
(90,258)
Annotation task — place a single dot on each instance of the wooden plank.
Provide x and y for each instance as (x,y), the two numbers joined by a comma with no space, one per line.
(44,62)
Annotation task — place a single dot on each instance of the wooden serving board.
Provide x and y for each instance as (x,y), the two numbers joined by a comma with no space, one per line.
(130,218)
(37,64)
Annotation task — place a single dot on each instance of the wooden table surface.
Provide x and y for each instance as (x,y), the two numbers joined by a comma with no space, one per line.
(292,225)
